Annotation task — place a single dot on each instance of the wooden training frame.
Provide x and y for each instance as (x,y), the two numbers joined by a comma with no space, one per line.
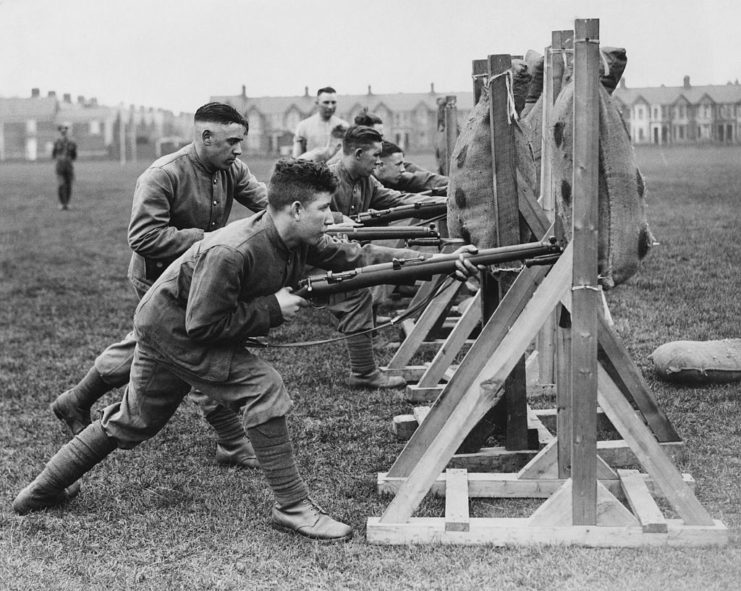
(582,491)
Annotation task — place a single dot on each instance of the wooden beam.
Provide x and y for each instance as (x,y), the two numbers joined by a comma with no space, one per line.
(641,502)
(557,510)
(482,485)
(423,326)
(507,223)
(476,401)
(519,532)
(489,338)
(649,452)
(585,296)
(456,500)
(622,369)
(453,344)
(451,129)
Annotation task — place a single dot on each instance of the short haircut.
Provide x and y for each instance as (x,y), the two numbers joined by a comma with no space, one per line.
(359,136)
(327,89)
(367,119)
(338,131)
(220,113)
(387,148)
(298,180)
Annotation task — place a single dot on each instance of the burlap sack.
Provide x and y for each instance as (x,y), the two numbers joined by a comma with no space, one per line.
(698,362)
(624,235)
(470,188)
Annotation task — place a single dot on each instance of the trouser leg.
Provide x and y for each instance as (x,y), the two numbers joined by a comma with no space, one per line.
(55,483)
(273,449)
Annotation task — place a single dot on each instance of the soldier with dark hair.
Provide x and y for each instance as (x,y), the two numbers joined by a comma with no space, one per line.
(393,174)
(65,153)
(369,119)
(358,191)
(177,201)
(316,131)
(192,327)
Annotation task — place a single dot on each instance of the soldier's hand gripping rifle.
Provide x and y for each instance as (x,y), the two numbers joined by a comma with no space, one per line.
(405,271)
(422,211)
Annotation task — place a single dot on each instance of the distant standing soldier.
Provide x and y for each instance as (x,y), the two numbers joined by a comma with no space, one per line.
(316,131)
(65,153)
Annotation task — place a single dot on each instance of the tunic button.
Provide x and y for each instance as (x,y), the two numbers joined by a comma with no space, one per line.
(215,181)
(213,223)
(216,202)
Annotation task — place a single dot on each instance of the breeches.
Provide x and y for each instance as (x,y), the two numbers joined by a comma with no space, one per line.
(353,310)
(156,389)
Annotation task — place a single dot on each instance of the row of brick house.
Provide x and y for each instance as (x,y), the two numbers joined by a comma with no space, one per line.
(682,114)
(658,115)
(28,128)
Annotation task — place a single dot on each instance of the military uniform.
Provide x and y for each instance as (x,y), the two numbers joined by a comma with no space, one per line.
(65,153)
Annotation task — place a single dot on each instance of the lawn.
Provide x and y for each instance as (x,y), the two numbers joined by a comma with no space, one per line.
(165,517)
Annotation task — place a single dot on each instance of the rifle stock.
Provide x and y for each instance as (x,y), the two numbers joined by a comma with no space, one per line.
(404,271)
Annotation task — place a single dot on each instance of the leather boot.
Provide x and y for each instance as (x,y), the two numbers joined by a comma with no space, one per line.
(375,379)
(73,406)
(57,483)
(308,519)
(233,448)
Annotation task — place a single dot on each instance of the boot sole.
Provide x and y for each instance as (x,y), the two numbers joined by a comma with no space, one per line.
(288,530)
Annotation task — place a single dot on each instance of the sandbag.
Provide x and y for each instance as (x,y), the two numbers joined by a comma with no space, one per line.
(471,213)
(698,362)
(624,234)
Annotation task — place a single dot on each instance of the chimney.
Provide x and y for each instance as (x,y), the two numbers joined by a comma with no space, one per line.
(370,92)
(687,82)
(67,97)
(432,88)
(244,91)
(80,99)
(35,93)
(306,91)
(52,94)
(93,101)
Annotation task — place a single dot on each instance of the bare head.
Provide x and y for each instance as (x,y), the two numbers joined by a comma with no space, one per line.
(392,163)
(299,196)
(361,148)
(219,132)
(326,102)
(369,120)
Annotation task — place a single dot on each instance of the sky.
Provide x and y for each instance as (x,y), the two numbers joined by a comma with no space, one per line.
(175,54)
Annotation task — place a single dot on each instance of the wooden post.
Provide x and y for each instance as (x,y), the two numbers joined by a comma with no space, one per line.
(552,69)
(122,136)
(585,289)
(451,129)
(507,213)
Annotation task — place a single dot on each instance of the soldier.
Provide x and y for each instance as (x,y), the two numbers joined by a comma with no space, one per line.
(178,199)
(192,327)
(65,153)
(316,131)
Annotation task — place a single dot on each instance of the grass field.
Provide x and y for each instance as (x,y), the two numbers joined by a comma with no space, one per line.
(165,517)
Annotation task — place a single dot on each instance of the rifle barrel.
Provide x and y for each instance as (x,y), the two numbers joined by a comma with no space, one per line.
(408,270)
(384,233)
(413,210)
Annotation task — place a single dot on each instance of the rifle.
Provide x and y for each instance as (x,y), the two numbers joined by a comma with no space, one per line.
(378,217)
(405,271)
(363,234)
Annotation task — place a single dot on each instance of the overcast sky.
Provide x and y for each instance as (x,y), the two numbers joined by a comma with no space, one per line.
(176,53)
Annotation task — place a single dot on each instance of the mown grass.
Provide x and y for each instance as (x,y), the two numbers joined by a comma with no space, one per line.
(165,517)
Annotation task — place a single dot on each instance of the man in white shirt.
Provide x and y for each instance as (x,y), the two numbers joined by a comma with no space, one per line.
(315,131)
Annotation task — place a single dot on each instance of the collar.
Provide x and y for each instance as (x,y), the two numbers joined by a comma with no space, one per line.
(345,174)
(193,155)
(272,233)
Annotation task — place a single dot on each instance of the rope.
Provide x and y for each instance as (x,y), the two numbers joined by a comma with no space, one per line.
(508,77)
(253,342)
